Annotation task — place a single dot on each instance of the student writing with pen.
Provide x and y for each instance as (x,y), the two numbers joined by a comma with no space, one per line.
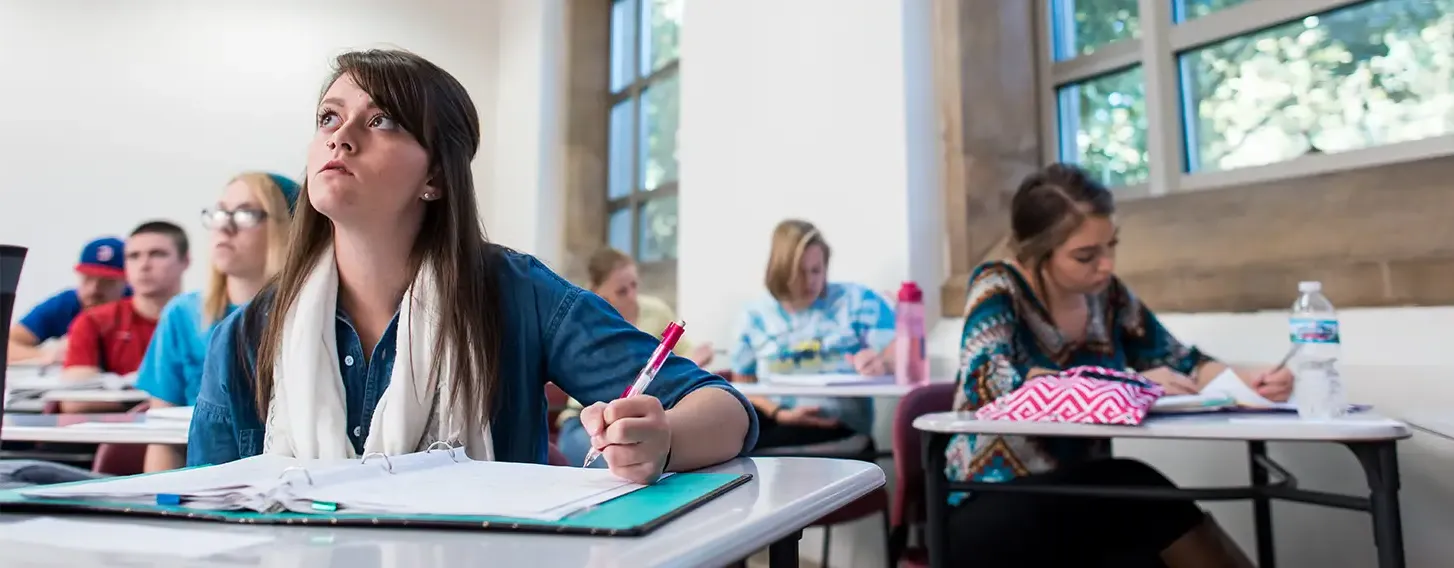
(1057,304)
(394,324)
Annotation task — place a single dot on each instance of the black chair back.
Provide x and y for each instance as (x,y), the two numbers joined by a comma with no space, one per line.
(11,259)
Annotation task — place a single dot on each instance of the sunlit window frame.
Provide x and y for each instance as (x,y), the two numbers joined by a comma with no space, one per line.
(633,91)
(1156,50)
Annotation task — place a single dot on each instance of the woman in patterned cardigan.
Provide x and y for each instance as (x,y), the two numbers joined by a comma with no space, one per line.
(1056,305)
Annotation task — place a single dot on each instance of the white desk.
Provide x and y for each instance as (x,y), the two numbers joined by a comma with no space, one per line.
(127,395)
(1440,424)
(785,495)
(1265,427)
(93,429)
(1372,439)
(889,390)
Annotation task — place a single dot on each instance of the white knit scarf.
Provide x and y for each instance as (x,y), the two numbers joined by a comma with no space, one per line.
(306,413)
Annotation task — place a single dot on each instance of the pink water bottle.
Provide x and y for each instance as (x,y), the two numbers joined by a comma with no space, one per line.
(911,362)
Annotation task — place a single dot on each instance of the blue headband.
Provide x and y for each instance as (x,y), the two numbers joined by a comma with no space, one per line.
(289,189)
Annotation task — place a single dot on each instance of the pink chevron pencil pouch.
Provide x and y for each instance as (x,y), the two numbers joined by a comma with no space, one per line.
(1086,395)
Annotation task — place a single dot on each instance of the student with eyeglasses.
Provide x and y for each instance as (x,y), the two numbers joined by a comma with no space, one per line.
(249,228)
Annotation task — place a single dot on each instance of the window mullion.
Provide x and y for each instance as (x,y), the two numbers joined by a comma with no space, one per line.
(1164,140)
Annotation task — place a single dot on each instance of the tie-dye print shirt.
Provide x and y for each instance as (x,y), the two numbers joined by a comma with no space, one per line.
(1007,331)
(847,319)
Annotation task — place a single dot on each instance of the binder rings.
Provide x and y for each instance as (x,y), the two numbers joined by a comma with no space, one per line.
(636,512)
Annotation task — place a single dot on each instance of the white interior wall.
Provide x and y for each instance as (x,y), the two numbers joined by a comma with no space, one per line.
(121,112)
(798,109)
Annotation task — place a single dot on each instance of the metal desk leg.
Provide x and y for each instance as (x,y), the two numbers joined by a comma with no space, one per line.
(1380,464)
(784,553)
(1261,507)
(936,497)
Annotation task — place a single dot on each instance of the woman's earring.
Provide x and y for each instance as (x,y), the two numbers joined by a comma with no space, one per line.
(428,196)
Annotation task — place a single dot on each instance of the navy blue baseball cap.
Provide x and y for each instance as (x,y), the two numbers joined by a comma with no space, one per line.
(103,258)
(289,188)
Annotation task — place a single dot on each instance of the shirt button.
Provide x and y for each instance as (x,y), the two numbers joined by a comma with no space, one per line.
(348,360)
(357,431)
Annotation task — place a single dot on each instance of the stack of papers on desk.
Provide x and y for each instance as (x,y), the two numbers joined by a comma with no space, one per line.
(826,379)
(423,483)
(1226,392)
(181,414)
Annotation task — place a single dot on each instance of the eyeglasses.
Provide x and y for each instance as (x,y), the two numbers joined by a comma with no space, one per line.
(214,219)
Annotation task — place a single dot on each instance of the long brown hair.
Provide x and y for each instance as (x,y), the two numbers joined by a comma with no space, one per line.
(268,194)
(790,240)
(435,108)
(1047,208)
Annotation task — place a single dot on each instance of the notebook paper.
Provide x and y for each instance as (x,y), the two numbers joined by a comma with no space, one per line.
(517,490)
(1228,384)
(422,483)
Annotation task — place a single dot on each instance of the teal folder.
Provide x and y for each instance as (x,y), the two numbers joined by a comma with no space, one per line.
(633,514)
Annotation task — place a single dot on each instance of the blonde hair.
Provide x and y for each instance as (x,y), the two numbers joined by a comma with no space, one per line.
(278,221)
(605,262)
(790,240)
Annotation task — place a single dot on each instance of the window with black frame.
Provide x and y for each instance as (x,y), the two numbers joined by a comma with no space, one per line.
(1159,96)
(641,188)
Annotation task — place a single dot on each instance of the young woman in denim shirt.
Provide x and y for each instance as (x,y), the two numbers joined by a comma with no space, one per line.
(395,324)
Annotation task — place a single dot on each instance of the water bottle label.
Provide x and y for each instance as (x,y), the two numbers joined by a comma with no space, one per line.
(1308,330)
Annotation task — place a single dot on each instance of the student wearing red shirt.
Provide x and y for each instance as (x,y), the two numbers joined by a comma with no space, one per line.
(112,338)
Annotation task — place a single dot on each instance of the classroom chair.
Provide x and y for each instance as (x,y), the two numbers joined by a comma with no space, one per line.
(555,457)
(555,400)
(908,505)
(859,446)
(122,459)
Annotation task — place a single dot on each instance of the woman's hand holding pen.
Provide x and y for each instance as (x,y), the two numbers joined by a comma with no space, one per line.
(633,435)
(1274,384)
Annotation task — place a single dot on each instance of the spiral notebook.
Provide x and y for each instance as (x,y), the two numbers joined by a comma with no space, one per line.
(435,488)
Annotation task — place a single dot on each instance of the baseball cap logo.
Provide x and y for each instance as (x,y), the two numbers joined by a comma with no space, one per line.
(104,253)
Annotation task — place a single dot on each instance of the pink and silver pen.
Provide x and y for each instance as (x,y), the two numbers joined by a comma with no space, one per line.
(669,337)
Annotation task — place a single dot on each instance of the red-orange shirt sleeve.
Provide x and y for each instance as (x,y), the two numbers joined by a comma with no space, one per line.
(83,343)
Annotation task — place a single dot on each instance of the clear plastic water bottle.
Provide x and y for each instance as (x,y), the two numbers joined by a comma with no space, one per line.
(911,362)
(1313,326)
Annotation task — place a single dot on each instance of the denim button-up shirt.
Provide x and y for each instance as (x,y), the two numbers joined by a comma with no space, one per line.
(553,332)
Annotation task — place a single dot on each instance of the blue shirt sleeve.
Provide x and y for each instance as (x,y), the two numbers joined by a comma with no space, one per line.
(52,317)
(212,438)
(744,357)
(164,370)
(593,354)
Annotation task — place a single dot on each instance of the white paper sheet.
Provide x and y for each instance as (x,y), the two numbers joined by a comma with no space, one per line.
(1230,385)
(172,413)
(116,537)
(248,472)
(504,489)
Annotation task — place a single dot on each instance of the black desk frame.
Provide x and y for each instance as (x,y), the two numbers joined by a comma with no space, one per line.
(1378,458)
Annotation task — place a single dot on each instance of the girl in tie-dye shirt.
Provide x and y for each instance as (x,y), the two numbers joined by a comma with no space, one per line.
(811,326)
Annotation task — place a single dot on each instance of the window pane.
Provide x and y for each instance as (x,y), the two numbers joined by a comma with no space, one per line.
(1103,126)
(623,39)
(661,24)
(659,134)
(1370,74)
(619,175)
(659,229)
(618,230)
(1184,10)
(1078,27)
